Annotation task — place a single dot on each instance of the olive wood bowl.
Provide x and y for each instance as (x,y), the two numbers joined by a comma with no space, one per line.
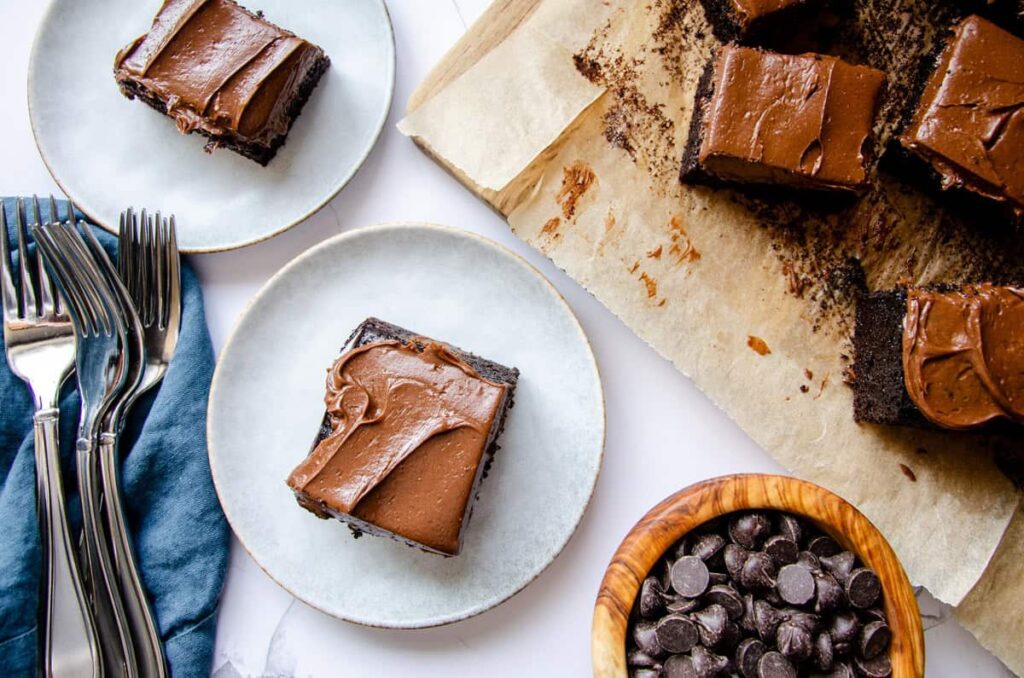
(667,522)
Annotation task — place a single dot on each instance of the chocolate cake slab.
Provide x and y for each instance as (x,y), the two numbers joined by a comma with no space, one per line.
(408,464)
(952,358)
(967,125)
(802,122)
(224,72)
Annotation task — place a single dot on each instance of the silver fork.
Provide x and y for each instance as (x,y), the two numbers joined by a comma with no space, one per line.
(147,360)
(41,350)
(102,370)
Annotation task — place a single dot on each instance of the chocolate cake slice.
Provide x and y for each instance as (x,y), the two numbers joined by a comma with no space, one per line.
(224,72)
(798,121)
(410,430)
(946,358)
(967,128)
(738,19)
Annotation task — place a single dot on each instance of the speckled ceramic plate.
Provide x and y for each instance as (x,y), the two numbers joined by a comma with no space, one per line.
(267,403)
(107,152)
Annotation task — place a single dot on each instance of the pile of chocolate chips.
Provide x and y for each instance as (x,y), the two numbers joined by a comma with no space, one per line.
(759,595)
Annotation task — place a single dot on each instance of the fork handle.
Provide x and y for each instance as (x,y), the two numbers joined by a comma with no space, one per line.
(67,630)
(101,580)
(149,651)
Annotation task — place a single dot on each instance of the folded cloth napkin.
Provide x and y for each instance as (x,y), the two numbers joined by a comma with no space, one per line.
(181,537)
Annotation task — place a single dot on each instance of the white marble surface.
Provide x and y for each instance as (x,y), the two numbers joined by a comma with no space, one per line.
(663,433)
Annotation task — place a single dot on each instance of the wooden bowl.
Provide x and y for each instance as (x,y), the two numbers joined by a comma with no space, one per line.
(671,519)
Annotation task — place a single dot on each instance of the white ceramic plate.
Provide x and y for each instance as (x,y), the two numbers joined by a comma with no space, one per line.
(267,403)
(107,152)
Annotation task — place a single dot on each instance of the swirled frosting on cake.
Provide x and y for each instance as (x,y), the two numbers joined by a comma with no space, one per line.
(963,355)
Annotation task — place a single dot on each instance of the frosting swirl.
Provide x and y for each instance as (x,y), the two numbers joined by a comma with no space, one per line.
(389,402)
(963,355)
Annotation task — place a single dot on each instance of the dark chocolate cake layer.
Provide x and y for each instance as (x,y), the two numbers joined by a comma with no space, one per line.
(879,393)
(373,331)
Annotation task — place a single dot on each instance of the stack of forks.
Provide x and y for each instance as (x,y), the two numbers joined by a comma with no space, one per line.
(67,309)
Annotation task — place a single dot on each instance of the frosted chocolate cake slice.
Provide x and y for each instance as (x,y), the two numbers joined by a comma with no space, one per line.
(951,359)
(800,121)
(224,72)
(968,126)
(410,429)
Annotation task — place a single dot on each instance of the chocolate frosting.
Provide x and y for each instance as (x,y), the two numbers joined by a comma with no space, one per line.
(970,121)
(963,355)
(795,119)
(409,431)
(752,10)
(218,68)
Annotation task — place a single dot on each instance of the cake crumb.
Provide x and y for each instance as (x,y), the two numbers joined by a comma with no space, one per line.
(758,345)
(908,472)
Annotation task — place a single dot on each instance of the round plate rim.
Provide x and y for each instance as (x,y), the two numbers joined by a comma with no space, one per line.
(342,183)
(365,231)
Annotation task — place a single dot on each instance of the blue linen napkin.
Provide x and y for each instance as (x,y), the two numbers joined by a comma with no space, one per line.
(181,537)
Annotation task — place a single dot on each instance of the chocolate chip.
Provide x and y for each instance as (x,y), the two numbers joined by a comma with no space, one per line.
(747,621)
(874,639)
(646,638)
(708,663)
(767,620)
(809,560)
(822,654)
(690,576)
(646,673)
(823,546)
(810,622)
(877,667)
(682,547)
(844,627)
(638,659)
(748,654)
(718,578)
(728,598)
(711,622)
(795,584)
(828,594)
(679,666)
(676,634)
(842,649)
(872,614)
(794,642)
(839,566)
(735,556)
(758,572)
(772,596)
(680,605)
(708,546)
(782,550)
(840,671)
(652,598)
(790,527)
(863,588)
(774,665)
(749,530)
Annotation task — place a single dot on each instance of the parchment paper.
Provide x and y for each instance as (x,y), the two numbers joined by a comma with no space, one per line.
(750,298)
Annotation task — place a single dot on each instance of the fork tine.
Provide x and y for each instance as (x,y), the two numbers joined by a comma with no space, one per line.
(53,210)
(47,295)
(74,250)
(10,292)
(28,287)
(147,259)
(54,260)
(173,290)
(160,268)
